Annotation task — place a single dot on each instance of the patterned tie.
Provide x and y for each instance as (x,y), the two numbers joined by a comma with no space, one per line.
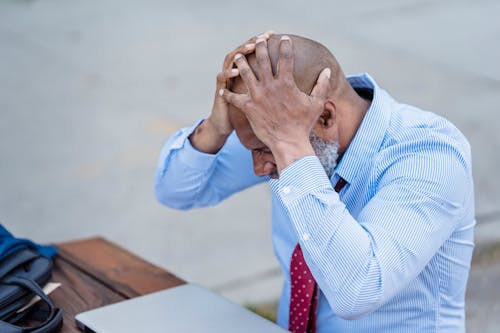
(304,293)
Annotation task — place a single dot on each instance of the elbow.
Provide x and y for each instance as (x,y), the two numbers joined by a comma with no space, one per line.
(353,309)
(170,198)
(349,313)
(353,301)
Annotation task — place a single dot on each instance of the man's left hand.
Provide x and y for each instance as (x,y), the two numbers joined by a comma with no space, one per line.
(281,115)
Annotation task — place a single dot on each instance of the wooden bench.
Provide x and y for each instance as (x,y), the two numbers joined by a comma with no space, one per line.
(96,272)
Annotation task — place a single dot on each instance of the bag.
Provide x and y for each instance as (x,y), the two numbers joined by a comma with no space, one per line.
(21,275)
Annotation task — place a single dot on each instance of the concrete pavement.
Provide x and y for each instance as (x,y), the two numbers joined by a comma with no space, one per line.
(90,90)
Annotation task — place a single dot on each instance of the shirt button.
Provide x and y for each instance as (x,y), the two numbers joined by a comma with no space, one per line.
(305,237)
(286,190)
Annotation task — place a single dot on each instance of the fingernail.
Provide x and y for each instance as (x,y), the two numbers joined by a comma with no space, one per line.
(237,56)
(221,92)
(249,46)
(328,72)
(260,40)
(285,38)
(235,71)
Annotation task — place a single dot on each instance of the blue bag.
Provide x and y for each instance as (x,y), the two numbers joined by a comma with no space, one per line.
(24,267)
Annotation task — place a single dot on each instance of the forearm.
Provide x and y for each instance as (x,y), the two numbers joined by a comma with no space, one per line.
(187,177)
(207,138)
(182,171)
(340,255)
(330,238)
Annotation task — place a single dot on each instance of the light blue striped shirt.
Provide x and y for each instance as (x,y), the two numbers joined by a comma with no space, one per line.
(391,252)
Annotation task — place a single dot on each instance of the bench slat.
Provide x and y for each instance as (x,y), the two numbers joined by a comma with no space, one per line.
(96,272)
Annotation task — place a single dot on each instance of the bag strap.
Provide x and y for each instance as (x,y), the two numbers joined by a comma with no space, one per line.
(54,319)
(54,325)
(16,259)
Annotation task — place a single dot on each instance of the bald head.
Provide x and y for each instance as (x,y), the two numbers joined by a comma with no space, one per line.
(310,58)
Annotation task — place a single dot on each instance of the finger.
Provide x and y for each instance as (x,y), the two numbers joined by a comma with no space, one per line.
(247,47)
(285,60)
(224,76)
(246,72)
(265,35)
(264,70)
(243,49)
(237,100)
(322,84)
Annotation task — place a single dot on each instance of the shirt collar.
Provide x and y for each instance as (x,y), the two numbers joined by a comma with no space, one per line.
(371,132)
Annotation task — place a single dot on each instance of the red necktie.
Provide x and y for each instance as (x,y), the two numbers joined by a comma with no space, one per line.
(304,293)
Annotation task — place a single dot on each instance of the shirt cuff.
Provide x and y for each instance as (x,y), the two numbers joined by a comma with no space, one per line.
(194,158)
(185,152)
(298,179)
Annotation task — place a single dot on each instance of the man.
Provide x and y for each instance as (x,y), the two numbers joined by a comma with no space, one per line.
(373,208)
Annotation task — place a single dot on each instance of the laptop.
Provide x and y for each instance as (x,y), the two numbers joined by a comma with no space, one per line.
(183,309)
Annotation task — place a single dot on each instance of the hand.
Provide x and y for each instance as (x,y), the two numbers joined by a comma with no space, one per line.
(211,135)
(219,115)
(281,115)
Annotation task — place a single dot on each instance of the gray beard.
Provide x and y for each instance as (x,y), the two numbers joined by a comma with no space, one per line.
(327,152)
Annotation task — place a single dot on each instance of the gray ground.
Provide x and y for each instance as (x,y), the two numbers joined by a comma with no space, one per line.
(90,90)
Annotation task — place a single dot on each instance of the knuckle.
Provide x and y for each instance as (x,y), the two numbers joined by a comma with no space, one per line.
(247,104)
(258,96)
(289,82)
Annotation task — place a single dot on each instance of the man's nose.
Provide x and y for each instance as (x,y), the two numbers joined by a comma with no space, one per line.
(263,164)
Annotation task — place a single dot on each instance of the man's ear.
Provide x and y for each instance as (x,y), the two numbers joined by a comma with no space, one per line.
(327,118)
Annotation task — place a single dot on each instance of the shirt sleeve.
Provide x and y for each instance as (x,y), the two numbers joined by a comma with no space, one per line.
(359,264)
(187,178)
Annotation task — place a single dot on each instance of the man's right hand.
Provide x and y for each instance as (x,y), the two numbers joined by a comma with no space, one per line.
(212,134)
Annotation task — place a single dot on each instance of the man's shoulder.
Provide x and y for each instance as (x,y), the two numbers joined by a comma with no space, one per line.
(415,133)
(417,128)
